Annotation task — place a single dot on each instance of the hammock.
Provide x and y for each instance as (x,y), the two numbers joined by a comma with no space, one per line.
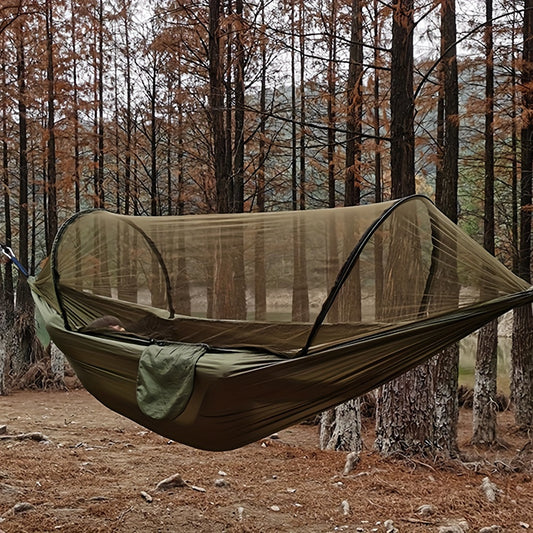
(240,325)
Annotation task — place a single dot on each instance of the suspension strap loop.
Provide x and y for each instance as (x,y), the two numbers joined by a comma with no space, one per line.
(8,252)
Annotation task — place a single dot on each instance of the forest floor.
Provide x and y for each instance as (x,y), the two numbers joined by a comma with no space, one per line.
(87,469)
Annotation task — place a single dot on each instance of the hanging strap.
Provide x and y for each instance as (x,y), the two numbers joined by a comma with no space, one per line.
(8,252)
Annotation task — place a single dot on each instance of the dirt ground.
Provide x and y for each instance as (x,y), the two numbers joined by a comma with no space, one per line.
(98,472)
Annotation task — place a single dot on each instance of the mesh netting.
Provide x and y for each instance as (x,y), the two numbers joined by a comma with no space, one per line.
(265,278)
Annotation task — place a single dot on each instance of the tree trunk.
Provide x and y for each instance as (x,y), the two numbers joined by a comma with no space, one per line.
(129,121)
(521,354)
(7,296)
(155,209)
(75,105)
(100,170)
(521,373)
(340,428)
(331,103)
(403,424)
(238,185)
(303,107)
(3,353)
(238,180)
(484,411)
(378,172)
(485,386)
(404,416)
(294,140)
(447,362)
(216,108)
(7,301)
(300,292)
(355,108)
(24,353)
(402,100)
(260,297)
(57,365)
(51,187)
(514,158)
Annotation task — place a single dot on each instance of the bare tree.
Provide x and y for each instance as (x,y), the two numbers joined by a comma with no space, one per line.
(51,188)
(522,362)
(404,421)
(485,387)
(340,427)
(447,361)
(355,108)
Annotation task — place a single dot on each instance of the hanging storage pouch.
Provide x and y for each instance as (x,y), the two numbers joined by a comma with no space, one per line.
(165,379)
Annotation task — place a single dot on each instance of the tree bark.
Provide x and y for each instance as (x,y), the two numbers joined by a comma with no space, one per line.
(7,296)
(521,368)
(332,103)
(3,353)
(7,300)
(340,428)
(216,108)
(402,100)
(485,386)
(404,421)
(447,362)
(522,349)
(484,411)
(403,425)
(260,296)
(75,110)
(354,102)
(100,99)
(24,334)
(51,187)
(57,365)
(378,171)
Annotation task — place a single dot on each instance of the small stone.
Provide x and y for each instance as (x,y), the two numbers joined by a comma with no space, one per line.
(3,429)
(9,489)
(389,526)
(351,461)
(524,525)
(22,507)
(146,496)
(274,436)
(171,482)
(491,529)
(240,512)
(489,488)
(275,508)
(221,482)
(425,510)
(455,526)
(222,473)
(345,506)
(197,489)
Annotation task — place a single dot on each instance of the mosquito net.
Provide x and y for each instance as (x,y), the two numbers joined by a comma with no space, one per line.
(289,282)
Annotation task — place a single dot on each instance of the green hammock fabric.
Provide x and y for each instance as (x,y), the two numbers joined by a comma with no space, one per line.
(262,320)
